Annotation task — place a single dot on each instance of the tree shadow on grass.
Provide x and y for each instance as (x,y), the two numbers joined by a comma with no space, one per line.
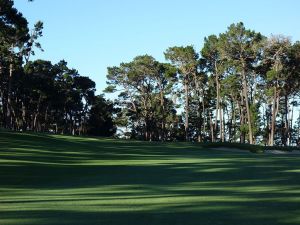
(238,213)
(48,180)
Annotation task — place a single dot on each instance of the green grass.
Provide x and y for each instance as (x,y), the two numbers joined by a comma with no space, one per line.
(246,147)
(55,180)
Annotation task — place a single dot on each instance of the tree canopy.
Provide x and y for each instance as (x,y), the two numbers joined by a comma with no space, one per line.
(240,87)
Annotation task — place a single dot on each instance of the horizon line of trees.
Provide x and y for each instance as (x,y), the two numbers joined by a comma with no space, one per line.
(241,87)
(40,96)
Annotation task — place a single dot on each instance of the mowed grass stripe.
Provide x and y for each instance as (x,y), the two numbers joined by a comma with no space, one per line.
(52,179)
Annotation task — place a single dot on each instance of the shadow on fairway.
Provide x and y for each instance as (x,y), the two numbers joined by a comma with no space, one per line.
(48,179)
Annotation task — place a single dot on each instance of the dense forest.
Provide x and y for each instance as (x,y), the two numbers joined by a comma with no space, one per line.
(240,87)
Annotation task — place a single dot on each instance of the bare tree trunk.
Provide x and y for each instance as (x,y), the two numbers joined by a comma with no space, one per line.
(242,122)
(199,138)
(197,93)
(73,128)
(46,119)
(275,108)
(186,88)
(37,114)
(221,124)
(8,105)
(3,107)
(234,121)
(199,124)
(65,125)
(204,118)
(291,124)
(162,105)
(245,92)
(146,134)
(218,112)
(231,130)
(24,121)
(286,121)
(211,129)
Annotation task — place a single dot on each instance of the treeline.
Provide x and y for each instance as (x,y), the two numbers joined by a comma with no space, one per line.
(241,87)
(41,96)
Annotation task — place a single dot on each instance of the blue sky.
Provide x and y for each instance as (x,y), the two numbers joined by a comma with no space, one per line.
(94,34)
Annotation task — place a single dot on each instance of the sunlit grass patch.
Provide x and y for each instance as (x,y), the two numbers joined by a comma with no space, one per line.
(47,179)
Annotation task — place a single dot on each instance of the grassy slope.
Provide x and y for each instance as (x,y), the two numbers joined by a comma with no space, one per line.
(70,180)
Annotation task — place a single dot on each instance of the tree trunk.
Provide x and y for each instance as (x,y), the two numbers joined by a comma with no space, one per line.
(3,104)
(242,122)
(218,112)
(8,105)
(162,105)
(286,121)
(199,138)
(221,125)
(197,93)
(245,92)
(37,114)
(275,108)
(186,88)
(291,124)
(46,119)
(204,119)
(211,129)
(24,121)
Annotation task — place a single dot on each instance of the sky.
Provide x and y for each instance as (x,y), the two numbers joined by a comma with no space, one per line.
(94,34)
